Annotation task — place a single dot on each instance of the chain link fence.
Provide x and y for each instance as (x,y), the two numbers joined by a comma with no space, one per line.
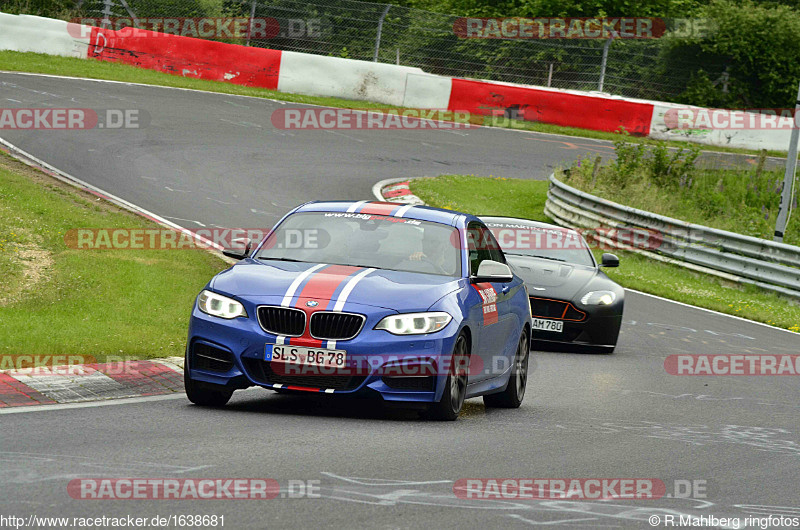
(412,37)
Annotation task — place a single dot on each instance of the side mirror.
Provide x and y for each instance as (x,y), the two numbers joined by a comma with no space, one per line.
(609,260)
(238,252)
(493,271)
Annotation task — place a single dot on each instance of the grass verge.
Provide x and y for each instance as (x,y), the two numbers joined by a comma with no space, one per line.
(62,301)
(526,198)
(93,69)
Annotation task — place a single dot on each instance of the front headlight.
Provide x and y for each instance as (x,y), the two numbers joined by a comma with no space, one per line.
(415,323)
(220,306)
(598,298)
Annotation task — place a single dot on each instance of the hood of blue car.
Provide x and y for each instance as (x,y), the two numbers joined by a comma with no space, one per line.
(396,290)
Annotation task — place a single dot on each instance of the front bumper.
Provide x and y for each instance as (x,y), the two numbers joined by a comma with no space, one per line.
(596,331)
(231,353)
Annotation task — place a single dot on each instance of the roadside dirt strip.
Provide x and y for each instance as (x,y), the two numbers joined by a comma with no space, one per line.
(48,385)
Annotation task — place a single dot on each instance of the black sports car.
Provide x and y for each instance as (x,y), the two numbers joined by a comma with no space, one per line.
(572,301)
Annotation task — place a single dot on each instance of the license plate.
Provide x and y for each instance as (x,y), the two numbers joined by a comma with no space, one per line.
(542,324)
(304,356)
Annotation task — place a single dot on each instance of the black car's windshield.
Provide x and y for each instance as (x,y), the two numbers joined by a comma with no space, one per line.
(555,244)
(366,240)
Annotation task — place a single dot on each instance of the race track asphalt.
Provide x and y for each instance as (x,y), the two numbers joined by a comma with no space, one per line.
(213,159)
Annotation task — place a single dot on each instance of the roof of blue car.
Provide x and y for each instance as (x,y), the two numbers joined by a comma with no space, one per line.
(422,213)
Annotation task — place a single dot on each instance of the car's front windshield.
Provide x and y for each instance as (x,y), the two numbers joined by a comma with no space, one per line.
(366,240)
(555,244)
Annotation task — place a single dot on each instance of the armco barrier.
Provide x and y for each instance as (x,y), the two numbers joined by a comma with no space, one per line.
(24,33)
(745,259)
(584,111)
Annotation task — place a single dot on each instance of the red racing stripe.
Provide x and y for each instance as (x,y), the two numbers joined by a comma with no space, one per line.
(320,288)
(308,342)
(379,208)
(303,388)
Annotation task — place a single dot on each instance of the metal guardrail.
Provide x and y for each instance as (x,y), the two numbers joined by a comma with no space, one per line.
(744,259)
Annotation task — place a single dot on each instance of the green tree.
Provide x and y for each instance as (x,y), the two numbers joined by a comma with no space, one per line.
(761,45)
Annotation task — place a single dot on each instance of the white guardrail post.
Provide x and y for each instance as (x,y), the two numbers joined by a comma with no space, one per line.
(787,193)
(744,259)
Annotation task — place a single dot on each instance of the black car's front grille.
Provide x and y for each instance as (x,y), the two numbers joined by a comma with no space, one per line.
(207,357)
(261,372)
(282,320)
(556,309)
(335,326)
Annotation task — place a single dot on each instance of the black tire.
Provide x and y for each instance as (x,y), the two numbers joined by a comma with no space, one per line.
(455,389)
(204,394)
(512,396)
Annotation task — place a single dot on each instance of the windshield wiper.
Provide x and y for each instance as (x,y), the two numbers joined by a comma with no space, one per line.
(357,265)
(283,259)
(548,257)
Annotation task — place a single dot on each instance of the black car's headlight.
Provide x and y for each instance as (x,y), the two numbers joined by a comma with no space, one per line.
(220,306)
(599,298)
(415,323)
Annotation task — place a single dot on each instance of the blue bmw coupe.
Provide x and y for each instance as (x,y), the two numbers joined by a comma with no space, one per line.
(413,304)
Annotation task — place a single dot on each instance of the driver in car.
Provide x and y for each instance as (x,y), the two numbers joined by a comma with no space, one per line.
(435,253)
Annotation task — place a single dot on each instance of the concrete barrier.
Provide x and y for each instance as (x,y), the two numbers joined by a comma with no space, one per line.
(663,128)
(549,106)
(188,57)
(318,75)
(424,91)
(25,33)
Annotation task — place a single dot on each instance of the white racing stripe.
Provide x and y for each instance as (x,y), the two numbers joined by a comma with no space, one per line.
(296,283)
(349,288)
(355,206)
(403,210)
